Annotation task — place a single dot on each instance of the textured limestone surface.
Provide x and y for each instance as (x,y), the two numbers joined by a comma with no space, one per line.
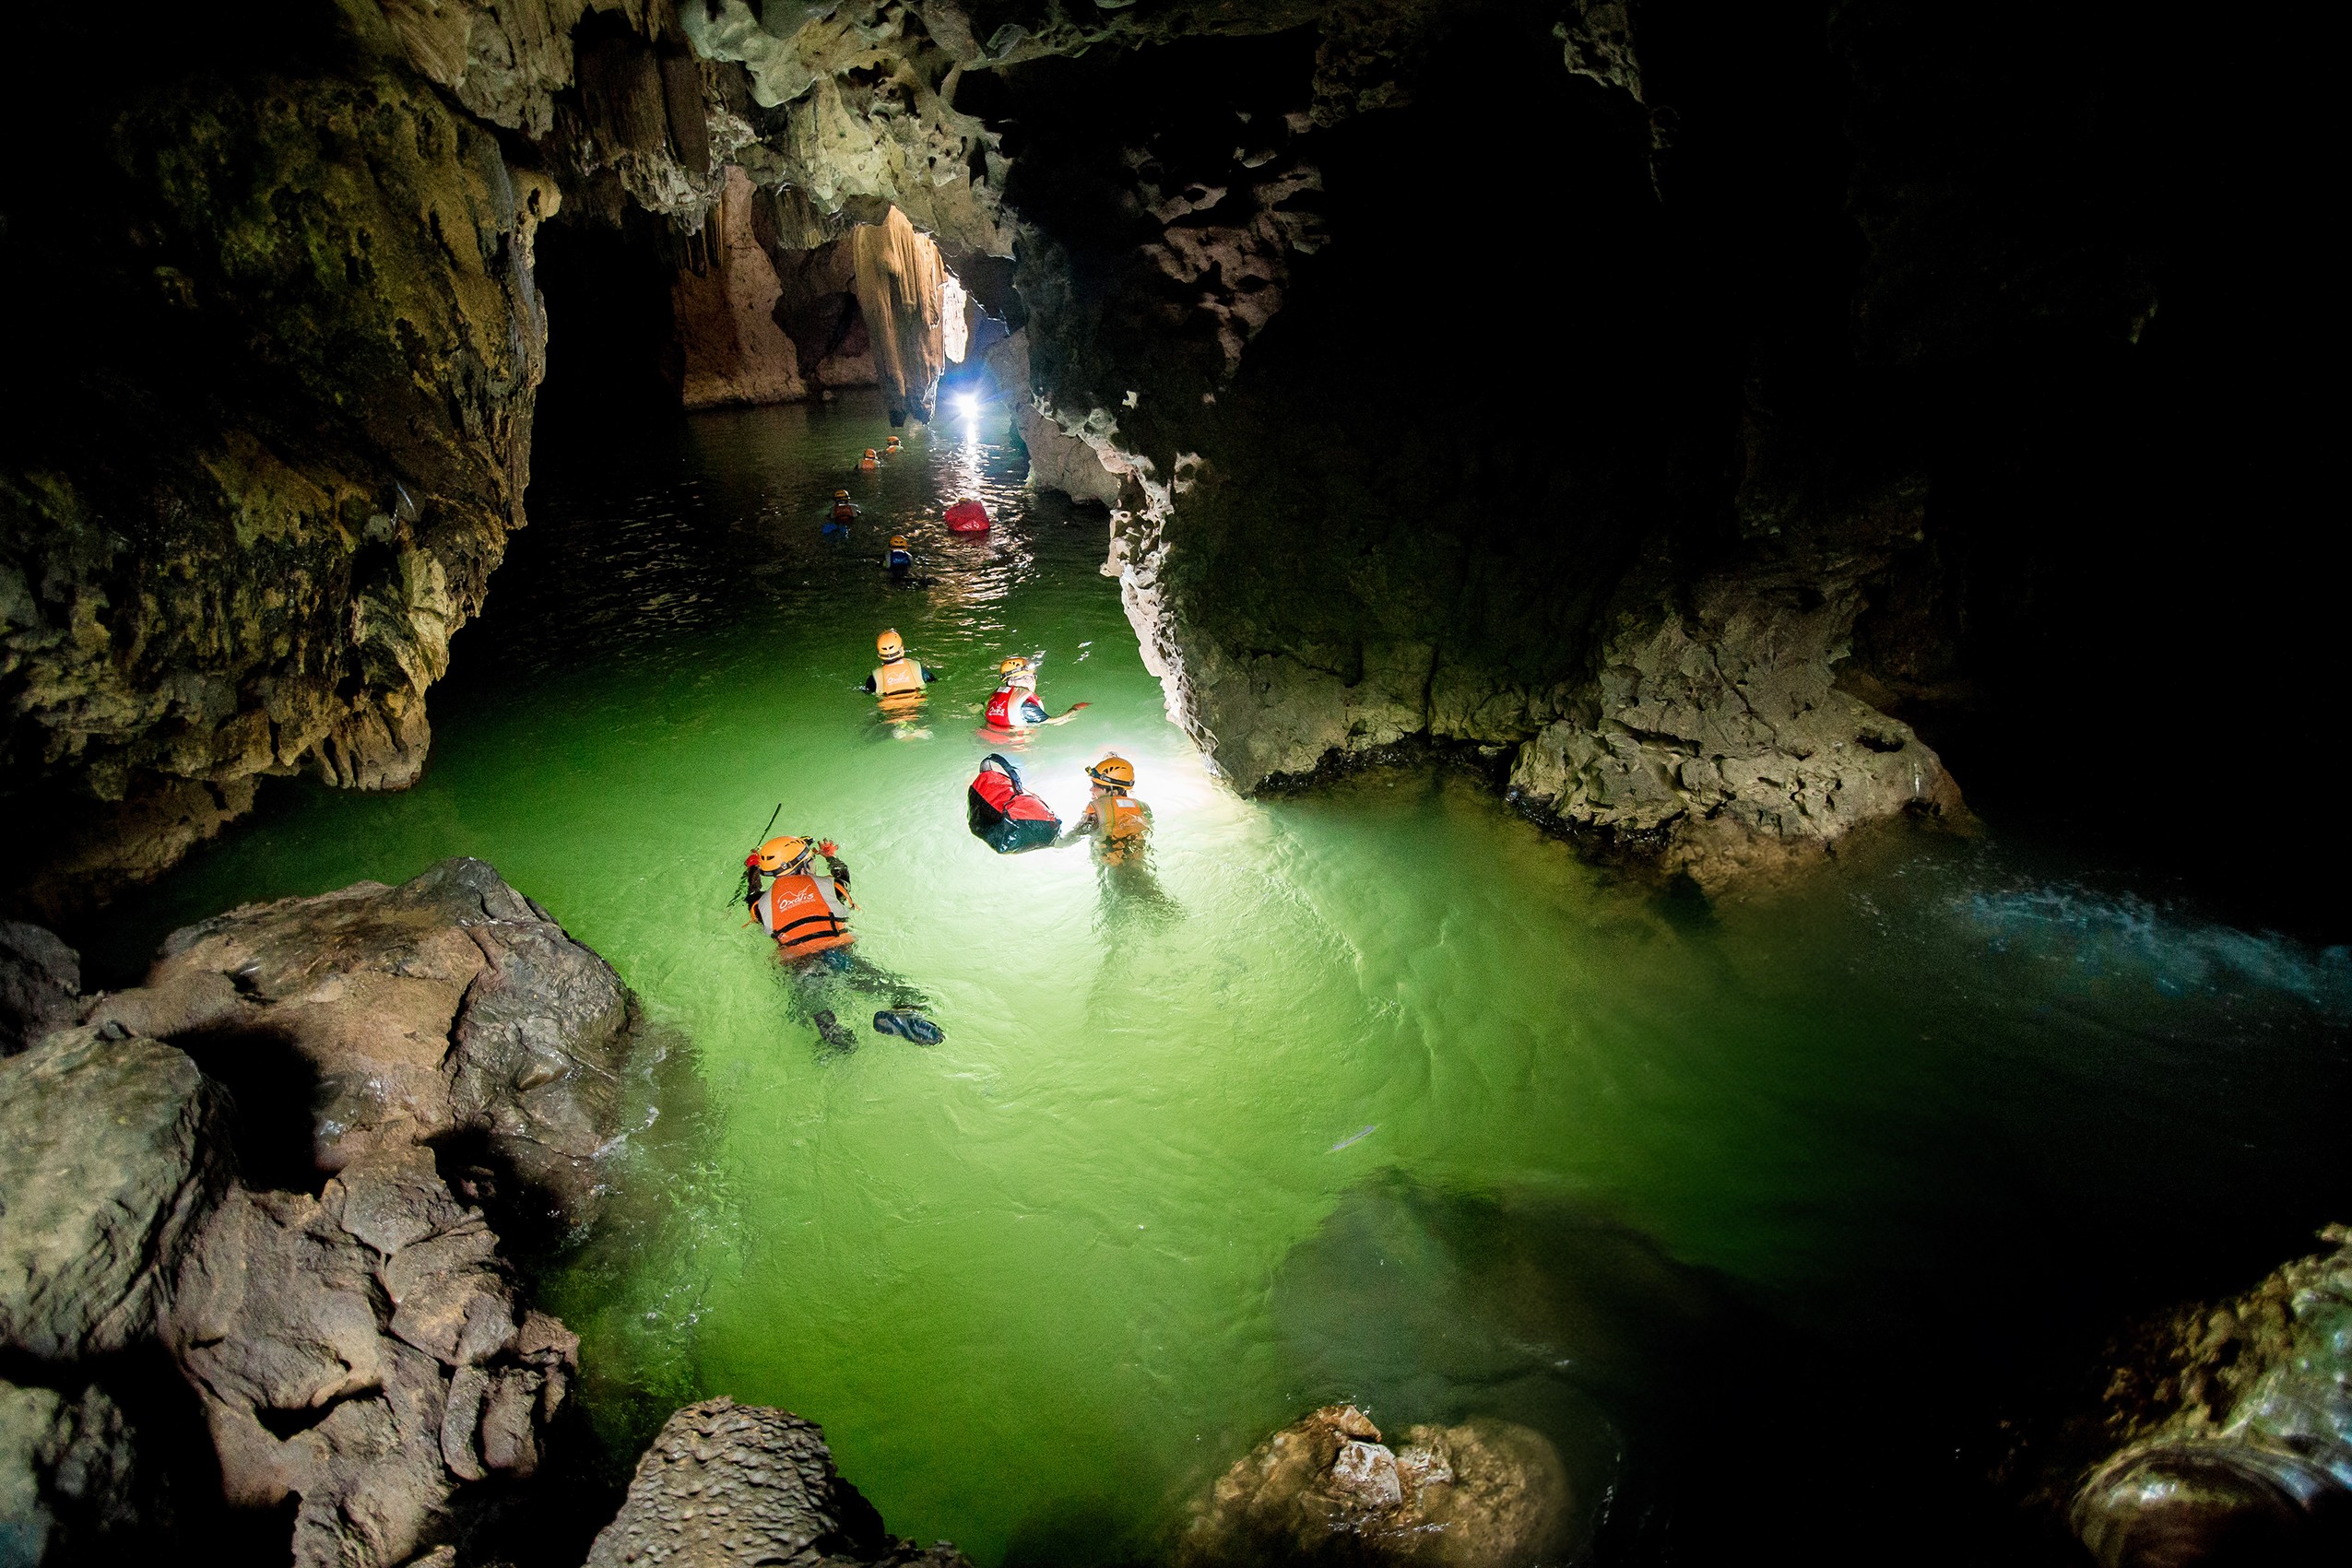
(1327,1489)
(360,1354)
(247,516)
(41,983)
(733,349)
(112,1153)
(731,1486)
(450,1004)
(2234,1421)
(363,1354)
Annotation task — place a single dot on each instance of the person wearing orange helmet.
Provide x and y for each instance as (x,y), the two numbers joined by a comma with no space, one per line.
(1016,705)
(869,462)
(807,915)
(898,676)
(1114,818)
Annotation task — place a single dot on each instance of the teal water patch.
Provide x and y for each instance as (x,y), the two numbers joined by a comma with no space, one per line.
(1043,1281)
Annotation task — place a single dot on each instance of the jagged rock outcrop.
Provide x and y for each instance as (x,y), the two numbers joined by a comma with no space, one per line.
(2235,1423)
(734,349)
(41,983)
(448,1006)
(360,1355)
(363,1352)
(731,1486)
(1327,1489)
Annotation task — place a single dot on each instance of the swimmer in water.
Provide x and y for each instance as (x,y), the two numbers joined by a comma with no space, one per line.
(1114,818)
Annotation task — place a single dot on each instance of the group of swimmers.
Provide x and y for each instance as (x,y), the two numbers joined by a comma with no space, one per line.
(807,915)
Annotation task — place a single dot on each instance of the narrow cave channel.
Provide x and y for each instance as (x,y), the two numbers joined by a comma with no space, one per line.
(1667,1010)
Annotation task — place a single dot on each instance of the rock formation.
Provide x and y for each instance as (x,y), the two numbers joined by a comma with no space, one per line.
(734,350)
(362,1361)
(68,1489)
(900,291)
(446,1007)
(728,1485)
(41,983)
(1328,1490)
(1722,407)
(2235,1424)
(357,1356)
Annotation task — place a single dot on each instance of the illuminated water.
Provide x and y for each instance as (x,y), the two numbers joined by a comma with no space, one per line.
(1376,1094)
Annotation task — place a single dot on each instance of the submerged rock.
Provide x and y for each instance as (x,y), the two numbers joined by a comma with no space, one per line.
(448,1006)
(2240,1419)
(731,1486)
(1329,1490)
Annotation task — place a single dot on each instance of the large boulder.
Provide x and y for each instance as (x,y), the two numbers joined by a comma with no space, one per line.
(66,1475)
(362,1353)
(41,983)
(1328,1490)
(112,1154)
(729,1486)
(449,1005)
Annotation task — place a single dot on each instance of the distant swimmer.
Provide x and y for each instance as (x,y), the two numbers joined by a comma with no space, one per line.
(1116,822)
(1015,706)
(968,516)
(899,560)
(837,521)
(891,448)
(871,461)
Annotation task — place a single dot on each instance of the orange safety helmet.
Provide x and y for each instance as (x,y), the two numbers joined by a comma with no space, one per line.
(891,646)
(783,855)
(870,452)
(898,541)
(1113,773)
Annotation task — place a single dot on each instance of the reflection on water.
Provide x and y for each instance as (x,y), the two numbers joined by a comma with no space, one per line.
(1375,1093)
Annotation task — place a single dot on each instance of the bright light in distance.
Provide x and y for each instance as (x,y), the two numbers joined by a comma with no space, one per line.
(967,403)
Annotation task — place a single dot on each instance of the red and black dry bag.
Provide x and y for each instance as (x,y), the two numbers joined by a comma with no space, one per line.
(1005,816)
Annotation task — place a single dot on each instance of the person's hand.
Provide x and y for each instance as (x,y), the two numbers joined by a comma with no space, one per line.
(827,848)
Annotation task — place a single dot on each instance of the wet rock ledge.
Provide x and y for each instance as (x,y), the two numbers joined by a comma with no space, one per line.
(258,1223)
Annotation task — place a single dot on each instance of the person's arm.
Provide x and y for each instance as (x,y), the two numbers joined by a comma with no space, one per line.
(751,879)
(931,674)
(868,685)
(1087,824)
(840,869)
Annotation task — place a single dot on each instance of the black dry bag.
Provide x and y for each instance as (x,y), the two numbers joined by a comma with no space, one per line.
(1005,816)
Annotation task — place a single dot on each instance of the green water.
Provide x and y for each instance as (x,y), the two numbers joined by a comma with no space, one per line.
(1880,1136)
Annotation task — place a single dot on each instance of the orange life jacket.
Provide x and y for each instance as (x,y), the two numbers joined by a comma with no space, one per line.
(804,914)
(1126,820)
(898,677)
